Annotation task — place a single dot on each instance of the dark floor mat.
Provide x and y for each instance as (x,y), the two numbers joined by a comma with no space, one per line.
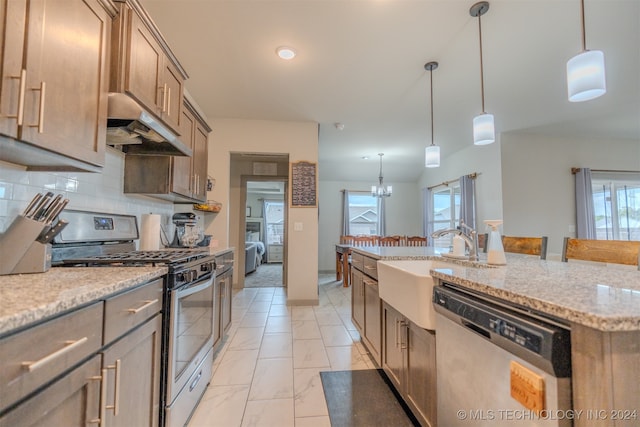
(363,399)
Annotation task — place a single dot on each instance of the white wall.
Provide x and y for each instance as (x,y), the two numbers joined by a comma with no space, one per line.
(300,141)
(100,192)
(537,184)
(402,208)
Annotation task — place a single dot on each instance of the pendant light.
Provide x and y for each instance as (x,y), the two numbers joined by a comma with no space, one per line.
(585,71)
(483,125)
(432,152)
(381,190)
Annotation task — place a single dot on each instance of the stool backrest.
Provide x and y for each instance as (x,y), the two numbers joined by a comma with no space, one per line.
(365,241)
(610,251)
(526,245)
(389,241)
(416,241)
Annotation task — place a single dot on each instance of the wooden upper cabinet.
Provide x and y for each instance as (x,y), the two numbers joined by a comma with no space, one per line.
(181,165)
(55,76)
(144,67)
(200,161)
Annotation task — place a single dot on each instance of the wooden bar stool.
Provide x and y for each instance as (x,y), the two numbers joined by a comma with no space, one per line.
(365,241)
(607,251)
(389,241)
(525,245)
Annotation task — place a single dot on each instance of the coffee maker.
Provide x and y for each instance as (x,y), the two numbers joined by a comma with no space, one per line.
(187,233)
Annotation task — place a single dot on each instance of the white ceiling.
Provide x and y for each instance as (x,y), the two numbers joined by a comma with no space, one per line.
(361,63)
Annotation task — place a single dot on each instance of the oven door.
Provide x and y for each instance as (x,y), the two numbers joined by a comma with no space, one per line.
(190,332)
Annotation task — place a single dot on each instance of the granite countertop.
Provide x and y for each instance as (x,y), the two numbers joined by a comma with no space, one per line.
(606,298)
(30,298)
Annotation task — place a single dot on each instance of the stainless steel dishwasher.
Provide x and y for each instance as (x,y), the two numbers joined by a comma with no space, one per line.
(499,365)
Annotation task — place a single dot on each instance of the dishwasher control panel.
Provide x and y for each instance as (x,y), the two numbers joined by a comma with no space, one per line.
(524,335)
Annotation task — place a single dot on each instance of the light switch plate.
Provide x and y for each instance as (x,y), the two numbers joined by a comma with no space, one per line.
(297,226)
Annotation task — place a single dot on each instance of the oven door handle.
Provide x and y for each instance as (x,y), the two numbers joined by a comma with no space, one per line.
(195,287)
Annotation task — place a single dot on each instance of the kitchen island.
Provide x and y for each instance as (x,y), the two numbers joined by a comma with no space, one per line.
(601,305)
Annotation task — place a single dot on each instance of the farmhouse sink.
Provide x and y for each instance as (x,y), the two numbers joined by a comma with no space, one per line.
(407,286)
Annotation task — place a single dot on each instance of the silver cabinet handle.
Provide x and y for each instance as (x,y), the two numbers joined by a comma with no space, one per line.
(396,333)
(368,267)
(22,86)
(168,101)
(116,388)
(102,379)
(403,344)
(69,345)
(164,98)
(147,304)
(103,397)
(40,124)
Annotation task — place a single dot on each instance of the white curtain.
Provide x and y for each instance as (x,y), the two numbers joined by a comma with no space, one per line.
(468,201)
(585,213)
(346,229)
(382,217)
(427,209)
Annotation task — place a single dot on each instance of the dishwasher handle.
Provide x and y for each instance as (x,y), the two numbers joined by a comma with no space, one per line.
(477,329)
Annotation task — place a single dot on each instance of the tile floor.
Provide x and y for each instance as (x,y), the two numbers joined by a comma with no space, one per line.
(267,371)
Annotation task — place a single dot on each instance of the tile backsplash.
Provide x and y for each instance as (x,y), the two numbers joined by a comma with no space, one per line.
(87,191)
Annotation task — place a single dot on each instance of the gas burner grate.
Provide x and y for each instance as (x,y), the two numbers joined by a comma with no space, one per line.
(177,256)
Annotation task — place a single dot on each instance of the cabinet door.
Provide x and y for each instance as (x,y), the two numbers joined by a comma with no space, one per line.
(200,162)
(72,401)
(13,32)
(132,370)
(357,300)
(217,314)
(66,80)
(181,165)
(421,372)
(372,318)
(144,66)
(392,348)
(172,95)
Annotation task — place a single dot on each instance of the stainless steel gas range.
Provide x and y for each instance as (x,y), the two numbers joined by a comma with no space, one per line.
(93,239)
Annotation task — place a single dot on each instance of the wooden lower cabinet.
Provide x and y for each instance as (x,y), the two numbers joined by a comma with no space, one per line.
(372,319)
(226,283)
(409,360)
(131,367)
(73,400)
(357,300)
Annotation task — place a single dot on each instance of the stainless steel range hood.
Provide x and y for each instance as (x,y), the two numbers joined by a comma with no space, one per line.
(137,131)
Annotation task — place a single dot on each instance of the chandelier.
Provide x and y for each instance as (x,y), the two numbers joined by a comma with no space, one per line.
(381,190)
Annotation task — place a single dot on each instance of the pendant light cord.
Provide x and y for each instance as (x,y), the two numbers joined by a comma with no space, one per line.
(481,63)
(431,87)
(584,36)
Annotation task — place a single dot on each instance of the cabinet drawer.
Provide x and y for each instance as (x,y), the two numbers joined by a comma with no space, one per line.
(357,261)
(371,267)
(39,354)
(223,261)
(131,308)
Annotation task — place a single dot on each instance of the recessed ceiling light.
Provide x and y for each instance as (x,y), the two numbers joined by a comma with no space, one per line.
(285,52)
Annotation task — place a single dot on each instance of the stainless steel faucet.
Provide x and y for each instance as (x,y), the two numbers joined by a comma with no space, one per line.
(470,240)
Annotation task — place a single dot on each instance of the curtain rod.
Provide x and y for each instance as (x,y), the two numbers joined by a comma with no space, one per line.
(354,191)
(473,175)
(576,170)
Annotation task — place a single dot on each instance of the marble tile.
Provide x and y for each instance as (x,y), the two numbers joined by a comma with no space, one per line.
(335,335)
(279,299)
(246,339)
(276,345)
(263,296)
(313,421)
(259,307)
(309,354)
(305,330)
(277,324)
(302,313)
(236,367)
(280,310)
(221,406)
(328,316)
(309,395)
(273,379)
(254,319)
(346,358)
(269,413)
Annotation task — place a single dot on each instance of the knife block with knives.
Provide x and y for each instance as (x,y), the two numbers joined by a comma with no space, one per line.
(26,244)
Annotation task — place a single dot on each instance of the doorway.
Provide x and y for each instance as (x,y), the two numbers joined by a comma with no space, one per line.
(265,231)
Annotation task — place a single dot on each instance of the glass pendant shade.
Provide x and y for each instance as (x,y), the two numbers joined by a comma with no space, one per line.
(585,76)
(381,191)
(432,156)
(483,129)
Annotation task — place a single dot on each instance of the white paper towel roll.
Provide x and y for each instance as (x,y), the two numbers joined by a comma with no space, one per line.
(150,232)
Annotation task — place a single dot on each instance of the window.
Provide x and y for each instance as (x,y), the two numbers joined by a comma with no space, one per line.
(363,214)
(446,212)
(274,220)
(616,204)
